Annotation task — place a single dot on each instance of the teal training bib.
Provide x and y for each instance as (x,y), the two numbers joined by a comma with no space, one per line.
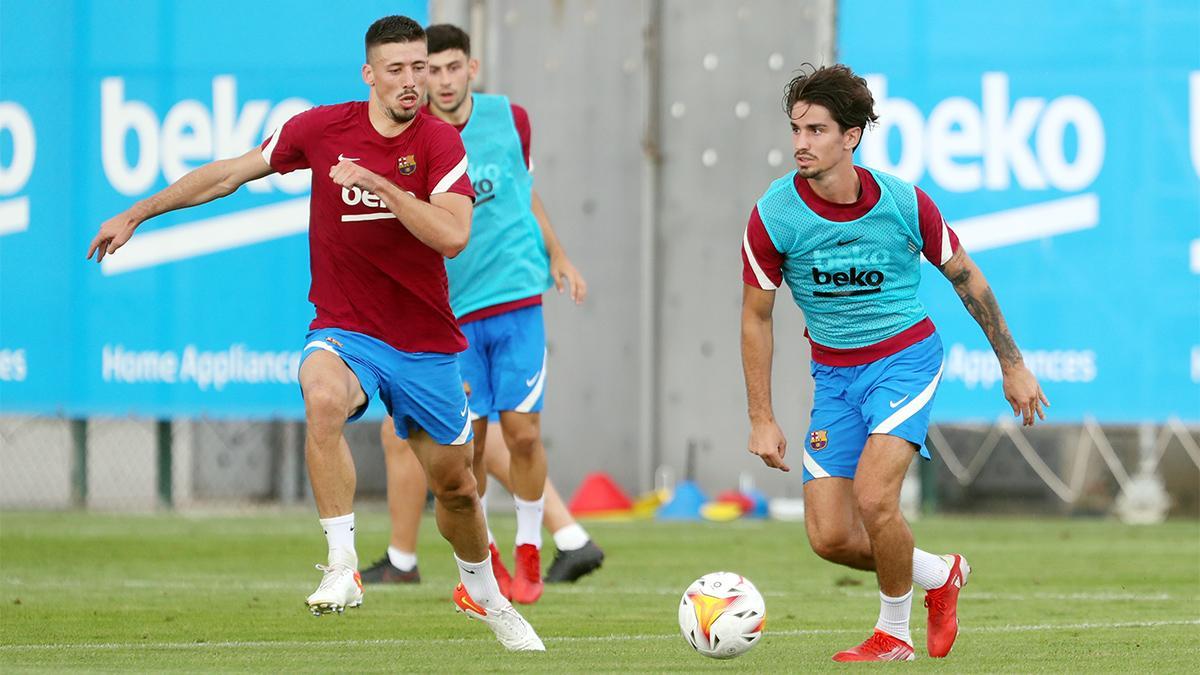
(855,281)
(506,258)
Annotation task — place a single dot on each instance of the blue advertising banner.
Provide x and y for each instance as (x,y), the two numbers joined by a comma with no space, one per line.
(1062,142)
(102,103)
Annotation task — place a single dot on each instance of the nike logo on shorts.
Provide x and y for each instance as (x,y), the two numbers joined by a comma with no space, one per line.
(530,381)
(464,414)
(896,403)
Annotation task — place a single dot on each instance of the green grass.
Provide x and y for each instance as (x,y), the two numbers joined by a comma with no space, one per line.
(208,593)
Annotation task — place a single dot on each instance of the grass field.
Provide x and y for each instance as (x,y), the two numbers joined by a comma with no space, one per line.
(177,593)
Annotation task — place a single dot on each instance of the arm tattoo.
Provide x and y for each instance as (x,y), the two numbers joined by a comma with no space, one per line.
(981,303)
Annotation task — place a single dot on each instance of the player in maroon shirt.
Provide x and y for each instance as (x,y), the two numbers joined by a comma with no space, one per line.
(390,198)
(498,346)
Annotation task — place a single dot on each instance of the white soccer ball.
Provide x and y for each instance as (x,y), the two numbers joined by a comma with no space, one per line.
(722,615)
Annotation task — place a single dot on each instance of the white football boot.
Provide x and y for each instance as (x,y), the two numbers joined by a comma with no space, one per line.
(341,587)
(511,629)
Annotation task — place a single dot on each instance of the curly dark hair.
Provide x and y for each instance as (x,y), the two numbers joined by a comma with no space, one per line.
(835,88)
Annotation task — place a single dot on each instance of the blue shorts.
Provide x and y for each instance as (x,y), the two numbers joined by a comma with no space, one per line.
(893,396)
(504,367)
(421,389)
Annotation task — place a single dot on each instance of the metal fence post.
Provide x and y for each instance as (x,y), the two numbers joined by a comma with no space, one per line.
(165,487)
(79,472)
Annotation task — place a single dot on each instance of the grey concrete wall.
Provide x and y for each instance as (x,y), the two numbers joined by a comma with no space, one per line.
(708,113)
(724,139)
(578,68)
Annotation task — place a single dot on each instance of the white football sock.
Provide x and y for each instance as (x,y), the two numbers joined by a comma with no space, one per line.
(480,583)
(402,560)
(571,538)
(893,616)
(929,571)
(339,534)
(529,521)
(483,510)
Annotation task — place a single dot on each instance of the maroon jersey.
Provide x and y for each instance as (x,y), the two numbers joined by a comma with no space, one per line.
(369,273)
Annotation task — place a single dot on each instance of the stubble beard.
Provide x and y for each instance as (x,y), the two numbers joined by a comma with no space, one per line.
(401,116)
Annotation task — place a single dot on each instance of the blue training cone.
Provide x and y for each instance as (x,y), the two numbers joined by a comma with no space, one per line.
(759,508)
(685,504)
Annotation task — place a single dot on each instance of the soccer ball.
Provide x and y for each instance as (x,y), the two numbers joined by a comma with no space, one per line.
(722,615)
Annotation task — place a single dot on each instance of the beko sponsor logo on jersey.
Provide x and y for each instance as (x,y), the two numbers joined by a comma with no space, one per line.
(16,123)
(188,135)
(484,178)
(866,282)
(354,196)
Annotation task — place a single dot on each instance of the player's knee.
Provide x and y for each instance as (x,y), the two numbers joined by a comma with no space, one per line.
(523,439)
(455,492)
(325,403)
(876,506)
(834,546)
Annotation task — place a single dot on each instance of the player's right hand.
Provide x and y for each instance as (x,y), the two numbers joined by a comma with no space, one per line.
(767,441)
(112,235)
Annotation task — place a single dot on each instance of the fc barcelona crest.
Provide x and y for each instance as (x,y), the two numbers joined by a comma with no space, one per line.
(407,164)
(817,440)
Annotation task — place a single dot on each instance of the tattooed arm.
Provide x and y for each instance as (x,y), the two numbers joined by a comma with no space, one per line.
(1020,386)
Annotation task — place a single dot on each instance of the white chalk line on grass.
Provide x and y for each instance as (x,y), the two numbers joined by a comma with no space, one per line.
(399,642)
(214,583)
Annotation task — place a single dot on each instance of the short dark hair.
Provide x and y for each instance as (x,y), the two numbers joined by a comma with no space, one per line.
(445,36)
(394,28)
(835,88)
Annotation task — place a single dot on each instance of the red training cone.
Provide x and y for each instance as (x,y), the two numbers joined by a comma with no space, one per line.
(599,495)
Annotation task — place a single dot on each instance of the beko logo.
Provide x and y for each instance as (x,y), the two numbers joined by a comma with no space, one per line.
(190,134)
(967,146)
(866,281)
(14,175)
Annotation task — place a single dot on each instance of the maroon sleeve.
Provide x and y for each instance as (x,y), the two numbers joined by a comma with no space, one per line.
(762,263)
(940,241)
(524,130)
(284,149)
(448,162)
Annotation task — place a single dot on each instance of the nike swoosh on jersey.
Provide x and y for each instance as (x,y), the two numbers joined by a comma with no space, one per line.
(342,157)
(896,403)
(848,241)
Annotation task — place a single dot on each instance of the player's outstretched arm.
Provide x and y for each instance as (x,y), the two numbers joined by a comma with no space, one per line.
(758,346)
(204,184)
(1020,386)
(443,223)
(561,269)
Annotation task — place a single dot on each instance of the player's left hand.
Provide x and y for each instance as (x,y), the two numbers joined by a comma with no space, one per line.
(566,277)
(1025,395)
(349,174)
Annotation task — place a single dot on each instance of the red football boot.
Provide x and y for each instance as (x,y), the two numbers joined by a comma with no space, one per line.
(527,584)
(879,647)
(503,578)
(943,609)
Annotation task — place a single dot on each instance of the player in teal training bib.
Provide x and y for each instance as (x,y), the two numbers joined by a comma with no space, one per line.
(848,242)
